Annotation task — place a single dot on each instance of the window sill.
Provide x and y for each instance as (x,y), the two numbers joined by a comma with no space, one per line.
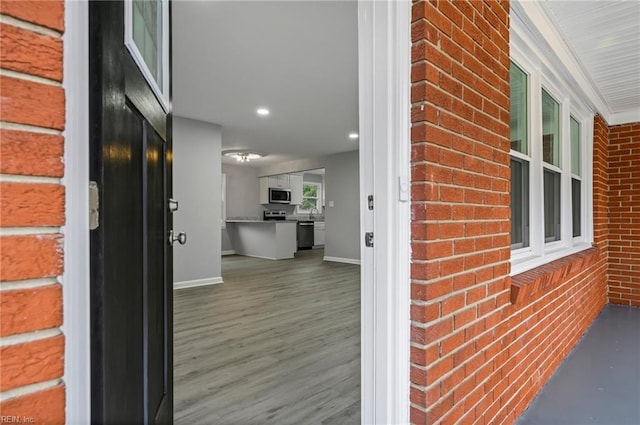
(530,284)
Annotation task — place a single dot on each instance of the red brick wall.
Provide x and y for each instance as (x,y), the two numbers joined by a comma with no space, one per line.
(474,355)
(31,210)
(624,214)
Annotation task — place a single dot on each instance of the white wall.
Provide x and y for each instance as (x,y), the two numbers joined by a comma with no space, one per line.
(197,187)
(342,186)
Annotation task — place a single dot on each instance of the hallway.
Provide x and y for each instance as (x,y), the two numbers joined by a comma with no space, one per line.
(277,343)
(599,382)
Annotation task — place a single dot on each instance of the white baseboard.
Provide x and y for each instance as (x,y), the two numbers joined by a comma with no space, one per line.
(230,252)
(197,282)
(342,260)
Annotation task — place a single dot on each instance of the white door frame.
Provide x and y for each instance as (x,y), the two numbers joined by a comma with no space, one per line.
(384,46)
(75,280)
(384,81)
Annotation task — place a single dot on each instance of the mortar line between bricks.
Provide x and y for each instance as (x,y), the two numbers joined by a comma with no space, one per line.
(27,284)
(14,178)
(28,77)
(28,389)
(10,20)
(22,231)
(6,341)
(4,125)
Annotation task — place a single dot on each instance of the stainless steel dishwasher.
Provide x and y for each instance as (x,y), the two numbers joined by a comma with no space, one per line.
(305,234)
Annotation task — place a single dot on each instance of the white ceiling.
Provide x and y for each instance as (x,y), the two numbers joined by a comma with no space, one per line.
(298,59)
(605,38)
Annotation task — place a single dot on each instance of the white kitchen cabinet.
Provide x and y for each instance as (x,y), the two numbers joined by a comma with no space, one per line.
(281,181)
(295,184)
(264,190)
(318,233)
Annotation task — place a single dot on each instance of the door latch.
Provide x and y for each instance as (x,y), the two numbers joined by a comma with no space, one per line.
(368,239)
(173,205)
(94,205)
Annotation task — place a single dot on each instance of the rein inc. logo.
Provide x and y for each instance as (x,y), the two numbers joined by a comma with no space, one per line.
(17,419)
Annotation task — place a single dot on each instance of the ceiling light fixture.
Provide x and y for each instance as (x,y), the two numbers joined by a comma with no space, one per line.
(353,135)
(242,156)
(263,112)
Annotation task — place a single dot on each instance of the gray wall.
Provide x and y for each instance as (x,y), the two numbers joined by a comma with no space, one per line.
(243,191)
(243,194)
(342,186)
(197,187)
(342,221)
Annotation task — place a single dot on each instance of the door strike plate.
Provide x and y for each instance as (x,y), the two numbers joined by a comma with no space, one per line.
(368,239)
(94,205)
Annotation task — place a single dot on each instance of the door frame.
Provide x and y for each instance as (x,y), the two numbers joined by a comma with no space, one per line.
(384,46)
(75,278)
(384,58)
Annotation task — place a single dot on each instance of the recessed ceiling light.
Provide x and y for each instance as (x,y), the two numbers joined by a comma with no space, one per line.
(242,156)
(353,135)
(263,112)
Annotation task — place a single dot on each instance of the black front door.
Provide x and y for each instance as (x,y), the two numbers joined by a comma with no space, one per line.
(131,258)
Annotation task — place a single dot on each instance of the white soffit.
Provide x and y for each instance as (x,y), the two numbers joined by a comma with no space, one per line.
(602,39)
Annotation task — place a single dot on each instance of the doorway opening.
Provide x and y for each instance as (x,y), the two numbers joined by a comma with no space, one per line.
(281,328)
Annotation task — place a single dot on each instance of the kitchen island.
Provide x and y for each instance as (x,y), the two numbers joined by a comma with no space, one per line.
(270,239)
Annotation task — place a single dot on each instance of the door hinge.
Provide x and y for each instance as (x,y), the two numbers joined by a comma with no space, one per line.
(370,202)
(368,239)
(94,205)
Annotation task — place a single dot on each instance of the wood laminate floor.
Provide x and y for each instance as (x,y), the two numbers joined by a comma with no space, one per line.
(277,343)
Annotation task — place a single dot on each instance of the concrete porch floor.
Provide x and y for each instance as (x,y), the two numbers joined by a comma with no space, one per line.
(599,381)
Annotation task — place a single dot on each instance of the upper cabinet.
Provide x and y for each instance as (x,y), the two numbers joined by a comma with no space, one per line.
(295,184)
(281,181)
(264,190)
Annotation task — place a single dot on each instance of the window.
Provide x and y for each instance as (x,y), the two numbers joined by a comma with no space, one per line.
(576,180)
(311,198)
(519,160)
(550,132)
(551,172)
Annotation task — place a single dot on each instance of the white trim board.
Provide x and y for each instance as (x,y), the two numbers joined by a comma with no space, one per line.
(384,45)
(229,252)
(75,280)
(197,282)
(342,260)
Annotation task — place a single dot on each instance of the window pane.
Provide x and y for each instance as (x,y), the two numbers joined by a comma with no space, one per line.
(519,141)
(575,147)
(519,203)
(309,204)
(310,190)
(550,130)
(551,206)
(147,35)
(576,207)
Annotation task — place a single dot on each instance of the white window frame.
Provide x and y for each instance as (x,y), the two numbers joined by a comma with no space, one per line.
(318,198)
(160,88)
(541,74)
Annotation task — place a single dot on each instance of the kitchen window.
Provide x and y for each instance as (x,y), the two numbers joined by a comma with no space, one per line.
(311,198)
(551,137)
